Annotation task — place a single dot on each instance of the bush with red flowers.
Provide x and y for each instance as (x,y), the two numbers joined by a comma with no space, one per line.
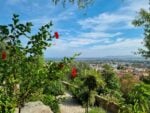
(25,73)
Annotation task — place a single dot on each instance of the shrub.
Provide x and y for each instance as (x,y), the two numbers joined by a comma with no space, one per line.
(54,88)
(52,102)
(140,98)
(127,83)
(110,78)
(97,110)
(7,104)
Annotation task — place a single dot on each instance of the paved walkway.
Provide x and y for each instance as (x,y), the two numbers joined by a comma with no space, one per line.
(70,105)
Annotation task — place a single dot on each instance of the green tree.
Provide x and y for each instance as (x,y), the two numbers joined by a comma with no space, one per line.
(92,80)
(139,98)
(110,78)
(91,83)
(143,20)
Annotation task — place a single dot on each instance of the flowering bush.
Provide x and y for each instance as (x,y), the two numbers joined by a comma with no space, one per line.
(24,71)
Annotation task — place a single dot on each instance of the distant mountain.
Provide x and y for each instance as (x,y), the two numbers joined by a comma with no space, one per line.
(124,58)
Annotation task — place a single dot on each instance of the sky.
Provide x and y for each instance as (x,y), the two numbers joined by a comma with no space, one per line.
(104,28)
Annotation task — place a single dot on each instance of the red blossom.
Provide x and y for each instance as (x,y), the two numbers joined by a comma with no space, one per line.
(4,55)
(56,35)
(74,72)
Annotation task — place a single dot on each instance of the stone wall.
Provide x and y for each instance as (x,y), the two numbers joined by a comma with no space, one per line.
(109,106)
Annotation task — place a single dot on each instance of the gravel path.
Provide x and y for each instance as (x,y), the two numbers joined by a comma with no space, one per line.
(70,105)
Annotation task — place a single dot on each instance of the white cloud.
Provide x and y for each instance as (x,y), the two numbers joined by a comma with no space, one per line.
(120,19)
(135,5)
(105,21)
(85,39)
(96,35)
(120,48)
(126,47)
(126,43)
(119,39)
(61,16)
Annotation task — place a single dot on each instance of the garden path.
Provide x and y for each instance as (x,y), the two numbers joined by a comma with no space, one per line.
(70,105)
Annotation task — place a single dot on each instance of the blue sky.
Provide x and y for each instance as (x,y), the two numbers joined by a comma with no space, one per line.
(102,29)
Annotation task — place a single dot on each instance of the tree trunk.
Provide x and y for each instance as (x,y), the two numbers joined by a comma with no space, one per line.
(88,100)
(88,105)
(19,109)
(3,109)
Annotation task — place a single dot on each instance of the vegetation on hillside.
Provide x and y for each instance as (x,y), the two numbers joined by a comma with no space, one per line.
(25,75)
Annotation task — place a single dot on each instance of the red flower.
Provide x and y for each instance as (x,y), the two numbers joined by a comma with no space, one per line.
(56,35)
(4,55)
(74,72)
